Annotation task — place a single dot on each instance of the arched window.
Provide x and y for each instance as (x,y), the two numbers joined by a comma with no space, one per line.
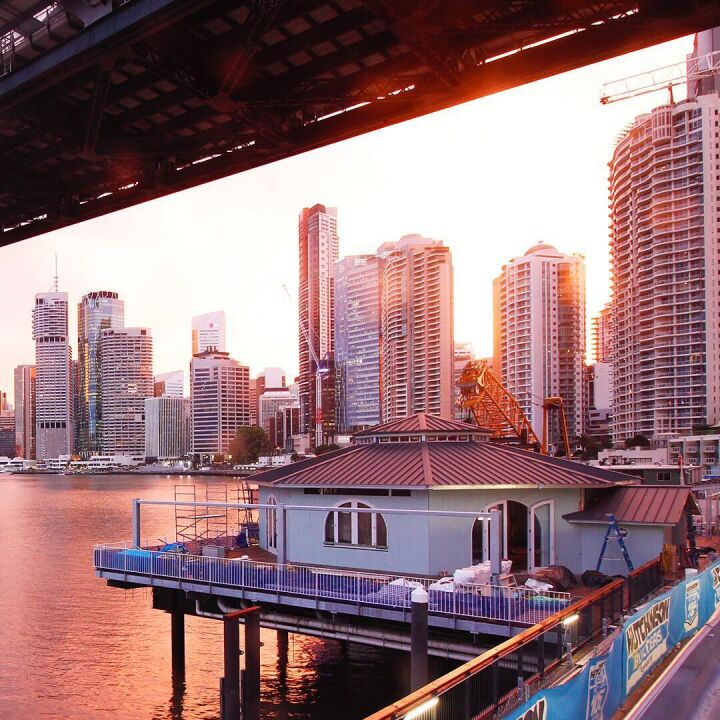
(362,529)
(271,525)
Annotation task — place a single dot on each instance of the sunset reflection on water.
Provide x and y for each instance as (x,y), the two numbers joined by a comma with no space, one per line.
(72,648)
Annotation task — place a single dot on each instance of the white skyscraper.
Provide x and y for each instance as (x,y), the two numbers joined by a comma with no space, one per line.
(540,333)
(220,397)
(416,327)
(167,427)
(54,377)
(208,332)
(170,384)
(665,251)
(126,357)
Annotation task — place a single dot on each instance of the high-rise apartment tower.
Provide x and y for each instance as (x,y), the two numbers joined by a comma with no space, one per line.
(126,357)
(540,310)
(208,332)
(357,342)
(318,251)
(25,411)
(416,328)
(97,311)
(665,254)
(54,377)
(220,399)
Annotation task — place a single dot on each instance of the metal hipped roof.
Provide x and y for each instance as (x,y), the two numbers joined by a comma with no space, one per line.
(638,505)
(420,422)
(438,465)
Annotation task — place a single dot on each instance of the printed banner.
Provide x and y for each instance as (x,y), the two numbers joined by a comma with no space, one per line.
(647,640)
(604,683)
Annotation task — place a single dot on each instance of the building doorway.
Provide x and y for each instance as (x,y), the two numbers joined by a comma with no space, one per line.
(513,531)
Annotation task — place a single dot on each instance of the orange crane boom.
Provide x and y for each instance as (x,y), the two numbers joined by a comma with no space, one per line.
(494,407)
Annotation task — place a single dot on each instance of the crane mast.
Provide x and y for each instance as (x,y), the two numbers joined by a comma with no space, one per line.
(319,372)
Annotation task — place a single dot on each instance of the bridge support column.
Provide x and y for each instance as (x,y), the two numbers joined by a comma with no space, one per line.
(177,636)
(419,639)
(231,669)
(251,676)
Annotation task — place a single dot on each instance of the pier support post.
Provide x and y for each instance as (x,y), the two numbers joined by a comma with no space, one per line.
(177,636)
(282,646)
(136,522)
(419,639)
(231,677)
(282,654)
(251,676)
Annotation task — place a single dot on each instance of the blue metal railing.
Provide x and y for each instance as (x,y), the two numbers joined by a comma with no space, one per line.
(517,605)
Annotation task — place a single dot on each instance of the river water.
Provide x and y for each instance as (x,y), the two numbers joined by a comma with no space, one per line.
(73,648)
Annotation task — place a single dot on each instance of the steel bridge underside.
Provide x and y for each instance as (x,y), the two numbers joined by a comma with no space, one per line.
(156,96)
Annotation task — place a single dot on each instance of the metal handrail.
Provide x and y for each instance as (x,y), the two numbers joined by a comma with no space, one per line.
(455,677)
(510,604)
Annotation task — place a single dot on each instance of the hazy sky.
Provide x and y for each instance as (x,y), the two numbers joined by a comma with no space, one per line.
(490,178)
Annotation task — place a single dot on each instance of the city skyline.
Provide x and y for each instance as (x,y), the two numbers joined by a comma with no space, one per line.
(471,211)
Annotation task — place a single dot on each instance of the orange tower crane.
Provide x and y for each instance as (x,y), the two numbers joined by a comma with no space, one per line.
(494,407)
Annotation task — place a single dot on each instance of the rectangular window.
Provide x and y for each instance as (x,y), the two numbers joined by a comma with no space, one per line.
(330,529)
(364,528)
(344,527)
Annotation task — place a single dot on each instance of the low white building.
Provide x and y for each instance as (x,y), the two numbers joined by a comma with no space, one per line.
(636,455)
(702,450)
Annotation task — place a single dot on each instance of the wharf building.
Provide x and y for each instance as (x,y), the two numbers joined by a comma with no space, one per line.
(540,339)
(357,342)
(220,401)
(318,247)
(97,311)
(54,380)
(126,357)
(167,428)
(208,332)
(24,377)
(664,212)
(416,328)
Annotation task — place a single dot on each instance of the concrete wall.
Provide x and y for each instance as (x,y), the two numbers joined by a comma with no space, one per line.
(644,542)
(424,545)
(456,544)
(408,547)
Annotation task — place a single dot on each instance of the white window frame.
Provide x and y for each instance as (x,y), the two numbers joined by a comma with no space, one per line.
(354,526)
(271,525)
(531,532)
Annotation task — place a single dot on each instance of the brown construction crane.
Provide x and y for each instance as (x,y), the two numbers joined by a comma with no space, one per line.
(494,407)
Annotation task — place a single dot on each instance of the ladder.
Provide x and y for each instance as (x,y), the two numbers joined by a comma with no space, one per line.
(615,532)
